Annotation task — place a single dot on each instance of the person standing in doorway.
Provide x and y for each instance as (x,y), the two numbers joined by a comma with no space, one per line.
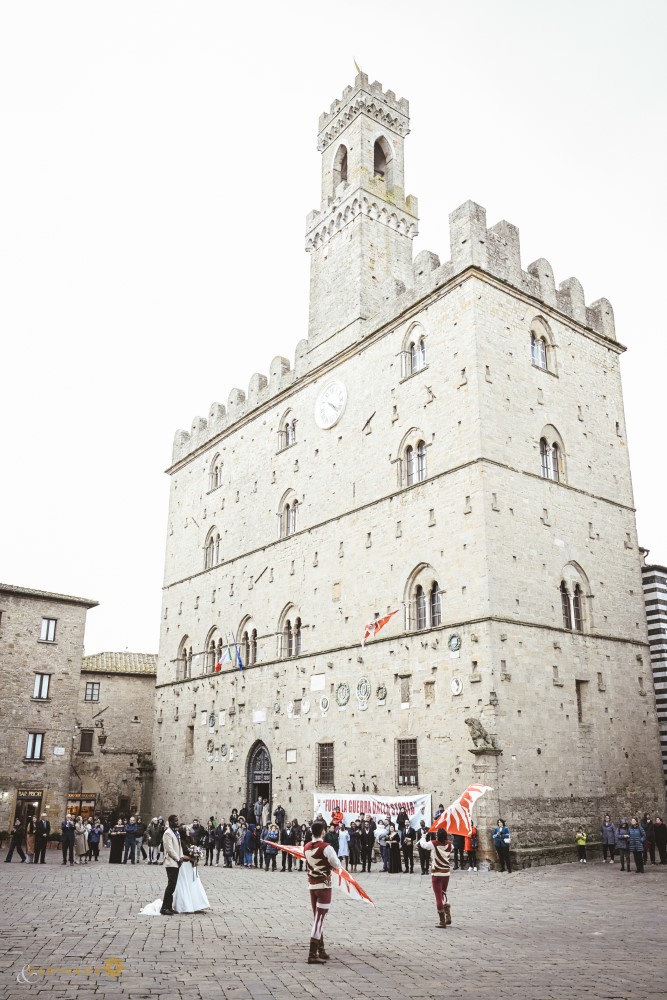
(501,841)
(258,808)
(41,839)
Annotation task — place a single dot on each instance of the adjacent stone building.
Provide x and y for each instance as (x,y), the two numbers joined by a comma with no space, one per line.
(655,598)
(112,760)
(449,442)
(41,645)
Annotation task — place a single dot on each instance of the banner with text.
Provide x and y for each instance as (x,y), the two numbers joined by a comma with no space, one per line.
(386,807)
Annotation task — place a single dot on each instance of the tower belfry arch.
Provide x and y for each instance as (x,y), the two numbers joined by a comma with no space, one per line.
(361,236)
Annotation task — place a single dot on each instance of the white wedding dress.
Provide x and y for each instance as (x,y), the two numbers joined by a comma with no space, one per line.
(189,895)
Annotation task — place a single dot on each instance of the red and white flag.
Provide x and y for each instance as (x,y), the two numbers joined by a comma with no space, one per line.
(373,628)
(346,882)
(457,818)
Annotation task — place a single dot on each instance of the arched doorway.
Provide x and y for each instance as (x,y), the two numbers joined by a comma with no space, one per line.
(259,773)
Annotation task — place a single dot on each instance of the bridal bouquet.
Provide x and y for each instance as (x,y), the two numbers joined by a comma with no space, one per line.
(195,853)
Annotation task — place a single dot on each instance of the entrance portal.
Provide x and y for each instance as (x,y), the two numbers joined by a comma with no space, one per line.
(29,804)
(259,776)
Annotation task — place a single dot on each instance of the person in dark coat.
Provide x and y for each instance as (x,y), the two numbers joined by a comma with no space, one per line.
(501,841)
(636,844)
(279,817)
(67,838)
(394,845)
(608,835)
(42,839)
(355,846)
(289,839)
(458,844)
(400,820)
(408,847)
(367,837)
(270,850)
(660,834)
(131,831)
(18,836)
(649,839)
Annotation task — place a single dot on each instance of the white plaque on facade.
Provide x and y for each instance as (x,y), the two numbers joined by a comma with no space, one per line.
(317,682)
(290,756)
(221,717)
(259,715)
(59,751)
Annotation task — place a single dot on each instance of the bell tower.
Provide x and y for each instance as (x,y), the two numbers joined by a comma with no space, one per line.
(362,235)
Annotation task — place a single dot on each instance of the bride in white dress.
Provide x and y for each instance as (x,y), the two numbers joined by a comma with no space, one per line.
(189,894)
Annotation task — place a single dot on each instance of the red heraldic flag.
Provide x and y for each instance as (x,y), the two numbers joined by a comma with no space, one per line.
(457,818)
(373,628)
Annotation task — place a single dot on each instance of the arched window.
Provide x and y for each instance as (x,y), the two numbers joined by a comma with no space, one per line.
(253,647)
(410,464)
(383,161)
(287,432)
(541,345)
(185,658)
(421,462)
(422,599)
(420,607)
(575,604)
(288,514)
(297,637)
(577,607)
(245,647)
(288,639)
(215,473)
(436,607)
(340,167)
(565,604)
(552,464)
(212,549)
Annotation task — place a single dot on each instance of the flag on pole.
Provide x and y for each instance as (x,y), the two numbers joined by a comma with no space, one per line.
(457,818)
(225,657)
(373,628)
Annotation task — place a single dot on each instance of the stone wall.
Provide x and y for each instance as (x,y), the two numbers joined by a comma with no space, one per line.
(22,655)
(565,708)
(122,724)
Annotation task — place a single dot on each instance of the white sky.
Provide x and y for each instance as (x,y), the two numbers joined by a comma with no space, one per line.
(158,161)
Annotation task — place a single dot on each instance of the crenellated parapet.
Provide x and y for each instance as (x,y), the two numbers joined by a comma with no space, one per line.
(496,251)
(369,98)
(239,403)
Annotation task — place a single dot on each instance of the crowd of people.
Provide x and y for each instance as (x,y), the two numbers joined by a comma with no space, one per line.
(251,836)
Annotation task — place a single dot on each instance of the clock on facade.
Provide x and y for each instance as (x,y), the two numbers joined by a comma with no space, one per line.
(330,404)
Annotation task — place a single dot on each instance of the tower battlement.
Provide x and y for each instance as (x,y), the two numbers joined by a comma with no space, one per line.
(391,112)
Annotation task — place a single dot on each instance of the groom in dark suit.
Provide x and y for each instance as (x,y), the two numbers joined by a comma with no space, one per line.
(41,839)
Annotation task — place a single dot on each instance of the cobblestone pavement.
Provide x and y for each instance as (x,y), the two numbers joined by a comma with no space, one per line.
(568,931)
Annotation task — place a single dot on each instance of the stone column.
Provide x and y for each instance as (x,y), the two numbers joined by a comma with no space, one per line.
(485,772)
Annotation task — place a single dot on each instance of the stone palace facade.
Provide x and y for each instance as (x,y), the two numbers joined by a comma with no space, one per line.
(449,442)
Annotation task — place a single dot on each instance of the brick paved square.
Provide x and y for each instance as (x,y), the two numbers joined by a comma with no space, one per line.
(565,931)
